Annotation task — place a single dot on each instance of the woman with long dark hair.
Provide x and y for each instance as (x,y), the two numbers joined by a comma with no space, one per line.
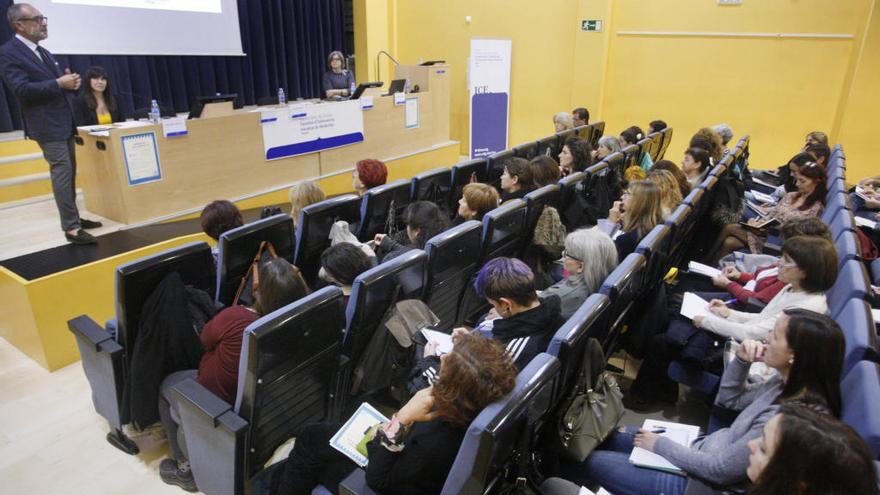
(806,351)
(95,103)
(806,452)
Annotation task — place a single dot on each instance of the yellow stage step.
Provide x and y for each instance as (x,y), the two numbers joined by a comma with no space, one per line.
(24,179)
(18,147)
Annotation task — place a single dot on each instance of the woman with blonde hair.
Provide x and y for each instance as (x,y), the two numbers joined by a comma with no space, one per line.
(670,194)
(476,200)
(638,211)
(303,194)
(563,121)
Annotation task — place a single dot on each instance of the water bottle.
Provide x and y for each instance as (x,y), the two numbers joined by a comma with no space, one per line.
(351,89)
(282,98)
(155,114)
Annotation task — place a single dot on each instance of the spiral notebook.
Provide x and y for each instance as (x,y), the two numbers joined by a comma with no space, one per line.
(677,432)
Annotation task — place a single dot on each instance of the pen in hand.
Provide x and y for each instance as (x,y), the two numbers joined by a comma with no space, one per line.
(658,430)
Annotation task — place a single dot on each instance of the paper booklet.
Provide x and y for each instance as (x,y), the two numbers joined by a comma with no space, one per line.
(351,439)
(760,225)
(677,432)
(444,340)
(864,222)
(693,305)
(702,269)
(860,192)
(763,183)
(756,208)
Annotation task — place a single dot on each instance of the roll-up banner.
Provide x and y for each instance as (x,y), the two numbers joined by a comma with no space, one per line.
(489,82)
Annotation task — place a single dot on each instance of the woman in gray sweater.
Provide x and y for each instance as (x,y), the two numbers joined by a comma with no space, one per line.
(805,349)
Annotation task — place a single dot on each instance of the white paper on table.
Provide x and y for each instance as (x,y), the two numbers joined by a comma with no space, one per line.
(174,127)
(400,98)
(693,305)
(366,102)
(864,222)
(141,158)
(129,124)
(443,340)
(677,432)
(695,267)
(412,113)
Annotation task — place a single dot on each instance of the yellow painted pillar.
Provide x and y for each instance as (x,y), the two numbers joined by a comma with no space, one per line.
(374,31)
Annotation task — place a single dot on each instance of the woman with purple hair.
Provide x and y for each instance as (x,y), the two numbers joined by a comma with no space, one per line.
(518,319)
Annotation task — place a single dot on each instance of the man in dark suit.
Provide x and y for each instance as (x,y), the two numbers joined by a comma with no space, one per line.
(46,95)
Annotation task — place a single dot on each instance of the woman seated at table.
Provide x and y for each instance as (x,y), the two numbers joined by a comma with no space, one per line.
(95,103)
(412,453)
(338,80)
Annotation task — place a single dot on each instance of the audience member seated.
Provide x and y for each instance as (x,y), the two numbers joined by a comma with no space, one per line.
(423,221)
(788,175)
(516,180)
(808,268)
(815,137)
(563,121)
(576,156)
(709,140)
(218,217)
(868,197)
(656,126)
(684,187)
(337,81)
(606,146)
(280,285)
(805,352)
(367,174)
(580,116)
(807,202)
(476,200)
(809,453)
(638,211)
(765,280)
(412,453)
(518,318)
(632,135)
(821,152)
(589,257)
(670,194)
(95,103)
(341,263)
(725,132)
(303,194)
(545,171)
(695,165)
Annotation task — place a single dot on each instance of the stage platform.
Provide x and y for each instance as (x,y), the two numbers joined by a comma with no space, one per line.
(43,288)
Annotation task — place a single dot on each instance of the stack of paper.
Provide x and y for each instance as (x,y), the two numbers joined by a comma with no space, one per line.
(864,222)
(702,269)
(693,305)
(677,432)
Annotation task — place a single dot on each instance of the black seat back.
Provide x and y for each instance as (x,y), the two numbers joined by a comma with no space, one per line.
(495,167)
(562,137)
(655,248)
(374,291)
(453,258)
(526,150)
(598,131)
(433,185)
(135,282)
(622,286)
(547,146)
(381,202)
(238,247)
(462,174)
(503,229)
(535,202)
(289,359)
(569,342)
(313,231)
(664,143)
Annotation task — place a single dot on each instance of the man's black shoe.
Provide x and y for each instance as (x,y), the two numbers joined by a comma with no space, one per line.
(81,237)
(89,224)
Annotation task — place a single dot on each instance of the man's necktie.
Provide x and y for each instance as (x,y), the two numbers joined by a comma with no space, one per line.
(44,55)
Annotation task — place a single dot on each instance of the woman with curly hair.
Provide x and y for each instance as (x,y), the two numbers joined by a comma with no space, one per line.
(412,453)
(576,156)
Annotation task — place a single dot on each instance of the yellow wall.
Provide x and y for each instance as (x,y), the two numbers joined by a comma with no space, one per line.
(774,89)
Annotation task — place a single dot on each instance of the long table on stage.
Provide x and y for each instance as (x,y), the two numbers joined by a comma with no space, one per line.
(223,157)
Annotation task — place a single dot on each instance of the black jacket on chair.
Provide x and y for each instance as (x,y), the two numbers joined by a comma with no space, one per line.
(86,116)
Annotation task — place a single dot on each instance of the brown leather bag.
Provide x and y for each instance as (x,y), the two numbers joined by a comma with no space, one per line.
(247,288)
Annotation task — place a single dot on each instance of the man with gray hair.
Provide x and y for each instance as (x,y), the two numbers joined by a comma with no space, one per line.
(725,132)
(45,95)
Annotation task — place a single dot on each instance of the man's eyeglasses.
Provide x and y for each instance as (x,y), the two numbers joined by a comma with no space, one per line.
(39,19)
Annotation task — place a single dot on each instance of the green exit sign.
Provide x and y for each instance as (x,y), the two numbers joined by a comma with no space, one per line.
(591,25)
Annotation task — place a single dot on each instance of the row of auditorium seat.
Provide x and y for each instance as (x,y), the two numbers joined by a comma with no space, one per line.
(848,304)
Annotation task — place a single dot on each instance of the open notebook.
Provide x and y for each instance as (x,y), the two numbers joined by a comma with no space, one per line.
(677,432)
(351,439)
